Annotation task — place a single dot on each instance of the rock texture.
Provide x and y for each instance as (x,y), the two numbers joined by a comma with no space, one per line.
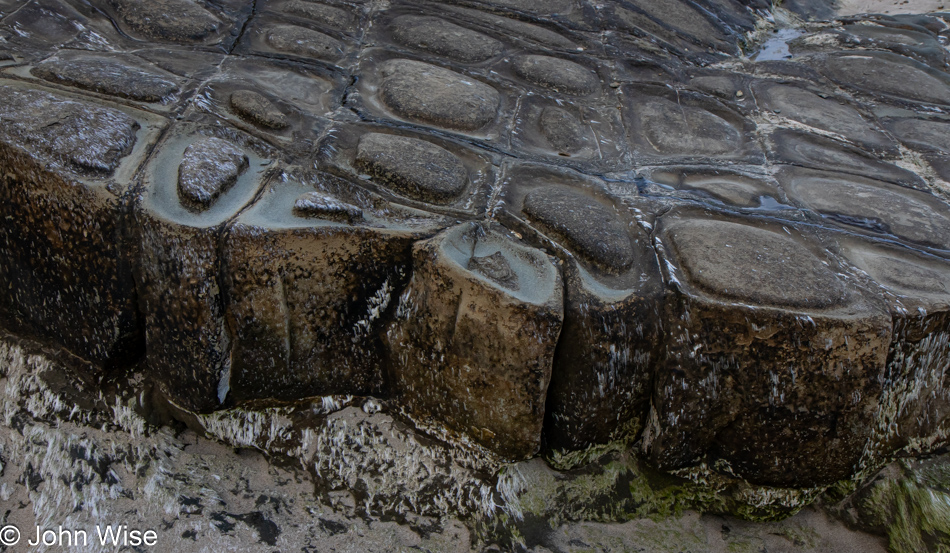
(565,229)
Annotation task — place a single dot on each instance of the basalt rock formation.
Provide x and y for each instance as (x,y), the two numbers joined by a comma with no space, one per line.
(530,227)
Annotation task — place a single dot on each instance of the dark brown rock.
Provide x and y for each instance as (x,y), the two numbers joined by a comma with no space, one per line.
(601,383)
(472,351)
(773,362)
(308,296)
(65,273)
(178,273)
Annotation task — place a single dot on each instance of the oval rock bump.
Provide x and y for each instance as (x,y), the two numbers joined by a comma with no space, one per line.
(108,75)
(416,169)
(323,206)
(337,18)
(437,96)
(749,264)
(561,129)
(585,224)
(209,167)
(172,20)
(441,37)
(557,74)
(257,109)
(301,41)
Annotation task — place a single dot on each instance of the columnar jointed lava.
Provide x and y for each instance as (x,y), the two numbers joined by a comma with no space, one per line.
(532,223)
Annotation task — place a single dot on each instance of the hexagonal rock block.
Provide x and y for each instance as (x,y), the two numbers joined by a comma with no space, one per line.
(885,75)
(774,357)
(473,338)
(178,254)
(600,383)
(309,279)
(283,102)
(557,74)
(67,165)
(585,134)
(915,403)
(603,367)
(922,134)
(682,18)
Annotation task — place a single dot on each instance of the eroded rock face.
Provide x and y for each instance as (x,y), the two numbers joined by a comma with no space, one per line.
(311,279)
(536,227)
(465,341)
(765,355)
(65,271)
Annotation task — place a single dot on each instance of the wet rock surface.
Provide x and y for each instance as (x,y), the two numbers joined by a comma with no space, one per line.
(562,229)
(115,76)
(208,168)
(256,108)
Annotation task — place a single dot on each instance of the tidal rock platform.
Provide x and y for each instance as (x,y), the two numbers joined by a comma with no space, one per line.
(711,238)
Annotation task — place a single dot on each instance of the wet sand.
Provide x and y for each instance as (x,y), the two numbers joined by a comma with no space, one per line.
(891,7)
